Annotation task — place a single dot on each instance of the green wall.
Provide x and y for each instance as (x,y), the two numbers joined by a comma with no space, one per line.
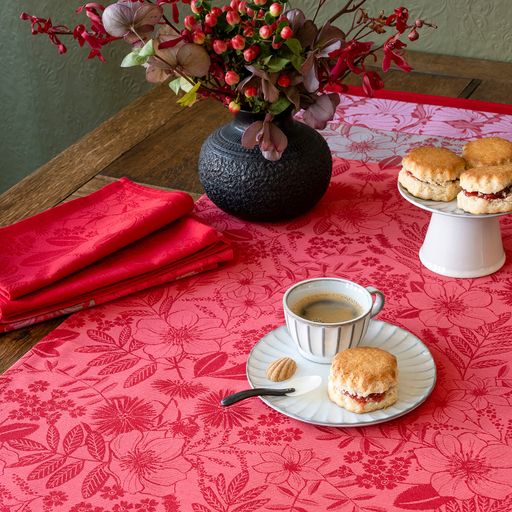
(48,101)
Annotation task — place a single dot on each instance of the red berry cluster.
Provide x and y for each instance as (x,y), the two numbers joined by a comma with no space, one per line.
(239,34)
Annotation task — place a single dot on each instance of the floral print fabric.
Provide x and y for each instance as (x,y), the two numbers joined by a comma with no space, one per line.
(118,409)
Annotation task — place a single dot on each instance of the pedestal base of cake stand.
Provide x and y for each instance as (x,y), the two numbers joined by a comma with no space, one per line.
(463,247)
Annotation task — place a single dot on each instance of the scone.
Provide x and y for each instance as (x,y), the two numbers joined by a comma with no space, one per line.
(363,379)
(431,173)
(486,190)
(486,152)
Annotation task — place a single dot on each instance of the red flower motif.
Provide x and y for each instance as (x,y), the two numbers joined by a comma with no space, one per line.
(295,467)
(85,507)
(185,428)
(148,463)
(465,466)
(482,392)
(112,493)
(226,417)
(55,498)
(448,406)
(181,331)
(123,506)
(123,414)
(179,388)
(450,304)
(253,304)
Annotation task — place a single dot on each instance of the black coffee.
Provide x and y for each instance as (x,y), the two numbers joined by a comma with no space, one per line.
(327,308)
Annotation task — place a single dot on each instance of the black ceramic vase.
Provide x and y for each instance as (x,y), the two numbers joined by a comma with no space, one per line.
(243,183)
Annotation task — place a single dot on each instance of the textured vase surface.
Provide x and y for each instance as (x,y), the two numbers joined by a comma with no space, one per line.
(243,183)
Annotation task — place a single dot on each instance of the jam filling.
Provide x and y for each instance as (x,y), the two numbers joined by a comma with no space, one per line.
(372,397)
(502,194)
(409,173)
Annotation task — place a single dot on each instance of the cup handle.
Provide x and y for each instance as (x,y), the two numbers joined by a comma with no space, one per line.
(379,301)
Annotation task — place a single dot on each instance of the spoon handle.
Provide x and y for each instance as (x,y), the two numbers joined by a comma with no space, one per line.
(248,393)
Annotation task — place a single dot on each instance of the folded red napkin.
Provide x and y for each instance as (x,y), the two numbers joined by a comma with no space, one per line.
(116,241)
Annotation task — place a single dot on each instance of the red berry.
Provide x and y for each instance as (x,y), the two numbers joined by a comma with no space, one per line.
(216,11)
(210,20)
(198,37)
(233,18)
(234,4)
(250,91)
(189,22)
(277,45)
(238,42)
(413,35)
(284,81)
(276,9)
(251,53)
(286,32)
(231,78)
(250,12)
(220,46)
(265,31)
(242,8)
(196,9)
(259,2)
(248,31)
(234,107)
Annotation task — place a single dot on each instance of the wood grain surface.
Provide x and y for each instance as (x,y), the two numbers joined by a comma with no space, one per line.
(156,142)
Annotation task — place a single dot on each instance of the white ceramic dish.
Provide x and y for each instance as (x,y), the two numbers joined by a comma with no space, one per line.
(443,207)
(457,243)
(417,377)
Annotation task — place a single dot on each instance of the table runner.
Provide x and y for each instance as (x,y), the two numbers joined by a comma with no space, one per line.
(117,409)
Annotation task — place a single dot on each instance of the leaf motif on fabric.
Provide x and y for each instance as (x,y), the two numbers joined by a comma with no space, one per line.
(94,481)
(46,468)
(16,430)
(420,497)
(140,375)
(65,474)
(73,439)
(209,364)
(100,336)
(119,366)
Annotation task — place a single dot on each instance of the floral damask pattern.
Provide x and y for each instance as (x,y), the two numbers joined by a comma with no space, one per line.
(118,409)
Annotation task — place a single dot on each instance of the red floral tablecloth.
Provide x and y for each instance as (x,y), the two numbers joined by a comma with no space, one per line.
(118,409)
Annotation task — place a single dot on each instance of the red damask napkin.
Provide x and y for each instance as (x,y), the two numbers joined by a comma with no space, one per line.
(67,238)
(107,245)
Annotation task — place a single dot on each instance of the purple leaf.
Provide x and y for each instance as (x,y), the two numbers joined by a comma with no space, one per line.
(322,111)
(250,136)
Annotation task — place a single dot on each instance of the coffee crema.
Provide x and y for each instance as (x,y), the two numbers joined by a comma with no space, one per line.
(327,308)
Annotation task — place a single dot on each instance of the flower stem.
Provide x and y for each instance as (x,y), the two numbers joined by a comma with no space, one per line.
(348,7)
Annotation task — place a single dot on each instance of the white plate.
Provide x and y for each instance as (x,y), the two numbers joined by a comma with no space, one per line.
(417,377)
(443,207)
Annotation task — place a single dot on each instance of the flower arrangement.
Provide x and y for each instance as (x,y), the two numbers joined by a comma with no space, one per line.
(253,55)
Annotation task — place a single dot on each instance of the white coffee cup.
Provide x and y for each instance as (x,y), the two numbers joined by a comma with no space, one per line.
(320,342)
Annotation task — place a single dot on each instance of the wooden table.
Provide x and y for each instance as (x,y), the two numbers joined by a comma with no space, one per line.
(156,142)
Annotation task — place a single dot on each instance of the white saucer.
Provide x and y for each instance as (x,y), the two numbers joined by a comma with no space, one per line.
(417,377)
(443,207)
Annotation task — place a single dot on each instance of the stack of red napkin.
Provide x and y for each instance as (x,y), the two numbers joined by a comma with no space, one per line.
(121,239)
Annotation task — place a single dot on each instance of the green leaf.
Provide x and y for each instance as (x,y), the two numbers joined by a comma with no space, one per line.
(294,46)
(175,85)
(279,106)
(297,62)
(269,19)
(147,50)
(277,64)
(190,97)
(133,59)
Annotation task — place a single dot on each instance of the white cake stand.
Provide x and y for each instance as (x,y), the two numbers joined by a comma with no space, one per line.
(459,244)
